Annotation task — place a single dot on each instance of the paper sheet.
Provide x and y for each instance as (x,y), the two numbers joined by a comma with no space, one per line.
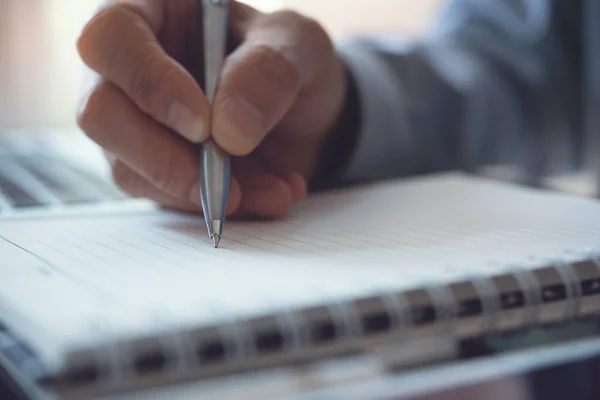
(77,279)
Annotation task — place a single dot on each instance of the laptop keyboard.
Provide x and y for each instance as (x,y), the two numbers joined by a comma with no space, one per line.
(28,181)
(15,195)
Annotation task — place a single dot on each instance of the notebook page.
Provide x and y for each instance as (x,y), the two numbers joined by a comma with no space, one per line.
(80,280)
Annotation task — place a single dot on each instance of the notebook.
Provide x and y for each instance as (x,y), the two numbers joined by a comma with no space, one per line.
(108,302)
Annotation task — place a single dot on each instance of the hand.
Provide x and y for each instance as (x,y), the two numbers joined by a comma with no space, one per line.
(279,94)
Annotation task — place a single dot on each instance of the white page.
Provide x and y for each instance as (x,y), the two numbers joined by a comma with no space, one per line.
(77,279)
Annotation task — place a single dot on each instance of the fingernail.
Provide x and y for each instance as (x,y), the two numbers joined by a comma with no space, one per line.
(186,123)
(240,119)
(194,195)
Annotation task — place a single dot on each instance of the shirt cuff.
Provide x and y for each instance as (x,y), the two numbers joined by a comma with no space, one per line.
(340,143)
(383,147)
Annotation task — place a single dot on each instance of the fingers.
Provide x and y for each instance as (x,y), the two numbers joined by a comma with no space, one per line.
(260,193)
(120,44)
(151,162)
(297,183)
(137,186)
(167,161)
(146,95)
(261,79)
(265,193)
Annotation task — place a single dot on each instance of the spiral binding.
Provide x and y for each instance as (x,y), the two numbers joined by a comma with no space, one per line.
(21,357)
(475,307)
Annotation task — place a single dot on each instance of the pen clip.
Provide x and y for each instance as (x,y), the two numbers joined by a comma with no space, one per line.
(215,16)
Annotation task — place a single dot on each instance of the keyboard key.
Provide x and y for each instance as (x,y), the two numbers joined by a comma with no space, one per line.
(16,195)
(66,191)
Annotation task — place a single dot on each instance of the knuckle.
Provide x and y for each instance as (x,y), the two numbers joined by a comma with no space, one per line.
(170,176)
(313,34)
(310,26)
(123,177)
(148,87)
(300,23)
(94,110)
(88,36)
(276,68)
(287,16)
(99,31)
(315,37)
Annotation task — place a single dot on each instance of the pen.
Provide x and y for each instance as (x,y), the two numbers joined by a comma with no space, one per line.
(214,162)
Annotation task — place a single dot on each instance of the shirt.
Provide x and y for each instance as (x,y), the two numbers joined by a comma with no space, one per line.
(494,83)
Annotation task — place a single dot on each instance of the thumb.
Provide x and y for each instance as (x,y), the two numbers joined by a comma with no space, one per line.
(260,81)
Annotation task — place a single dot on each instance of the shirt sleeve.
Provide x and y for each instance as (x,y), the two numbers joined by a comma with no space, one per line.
(492,83)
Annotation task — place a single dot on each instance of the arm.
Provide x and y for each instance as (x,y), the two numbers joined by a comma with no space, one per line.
(494,82)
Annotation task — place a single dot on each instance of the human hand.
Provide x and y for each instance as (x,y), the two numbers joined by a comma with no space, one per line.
(278,96)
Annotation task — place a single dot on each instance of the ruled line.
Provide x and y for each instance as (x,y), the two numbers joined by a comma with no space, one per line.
(47,263)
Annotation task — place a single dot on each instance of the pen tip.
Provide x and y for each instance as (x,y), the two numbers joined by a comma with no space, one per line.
(216,239)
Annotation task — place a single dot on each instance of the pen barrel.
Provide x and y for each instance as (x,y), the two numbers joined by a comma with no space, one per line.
(214,162)
(214,184)
(215,26)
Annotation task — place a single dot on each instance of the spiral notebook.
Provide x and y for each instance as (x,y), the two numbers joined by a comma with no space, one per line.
(103,303)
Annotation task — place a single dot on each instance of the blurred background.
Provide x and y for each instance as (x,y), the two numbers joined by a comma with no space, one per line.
(42,78)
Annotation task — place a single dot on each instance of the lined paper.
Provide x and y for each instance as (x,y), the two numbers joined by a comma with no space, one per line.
(78,279)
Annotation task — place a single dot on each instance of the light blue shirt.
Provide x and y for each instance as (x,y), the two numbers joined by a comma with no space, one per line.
(494,82)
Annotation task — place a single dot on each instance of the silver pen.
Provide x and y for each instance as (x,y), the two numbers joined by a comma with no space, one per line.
(214,162)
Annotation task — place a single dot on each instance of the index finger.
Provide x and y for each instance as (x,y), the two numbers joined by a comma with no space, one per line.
(120,43)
